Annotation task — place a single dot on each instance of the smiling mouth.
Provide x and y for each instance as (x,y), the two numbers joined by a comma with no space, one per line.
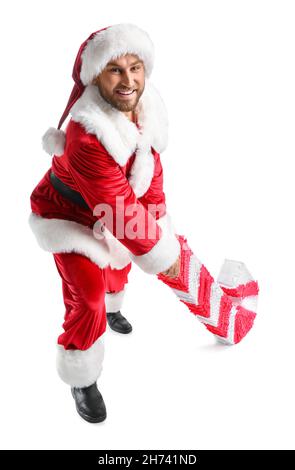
(125,93)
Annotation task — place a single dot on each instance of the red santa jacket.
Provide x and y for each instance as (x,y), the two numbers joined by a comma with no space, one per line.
(114,164)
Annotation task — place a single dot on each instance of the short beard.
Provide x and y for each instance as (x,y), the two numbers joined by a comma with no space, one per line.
(121,106)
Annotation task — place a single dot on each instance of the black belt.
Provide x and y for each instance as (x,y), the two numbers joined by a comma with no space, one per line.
(67,192)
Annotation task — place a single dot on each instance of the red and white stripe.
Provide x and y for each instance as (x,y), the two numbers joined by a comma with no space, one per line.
(227,307)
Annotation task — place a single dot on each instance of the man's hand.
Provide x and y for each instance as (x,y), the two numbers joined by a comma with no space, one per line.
(173,271)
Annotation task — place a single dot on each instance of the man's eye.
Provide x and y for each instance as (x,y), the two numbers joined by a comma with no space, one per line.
(114,69)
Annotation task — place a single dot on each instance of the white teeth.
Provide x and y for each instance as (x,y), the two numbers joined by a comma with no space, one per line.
(125,93)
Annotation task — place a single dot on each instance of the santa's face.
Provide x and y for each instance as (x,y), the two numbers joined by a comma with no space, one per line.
(121,83)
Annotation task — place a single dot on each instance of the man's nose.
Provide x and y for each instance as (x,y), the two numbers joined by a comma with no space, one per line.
(127,79)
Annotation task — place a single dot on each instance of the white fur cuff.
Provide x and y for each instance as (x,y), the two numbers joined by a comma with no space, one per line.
(161,256)
(80,368)
(113,301)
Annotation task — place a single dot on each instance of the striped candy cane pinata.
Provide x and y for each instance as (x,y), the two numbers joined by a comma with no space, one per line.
(226,307)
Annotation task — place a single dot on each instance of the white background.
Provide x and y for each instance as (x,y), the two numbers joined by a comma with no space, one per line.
(225,70)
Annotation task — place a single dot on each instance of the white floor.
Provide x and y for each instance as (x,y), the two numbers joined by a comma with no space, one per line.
(167,385)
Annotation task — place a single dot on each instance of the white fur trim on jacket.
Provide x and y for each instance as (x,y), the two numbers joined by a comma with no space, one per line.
(120,136)
(113,42)
(80,368)
(114,301)
(160,257)
(164,253)
(166,224)
(65,236)
(119,251)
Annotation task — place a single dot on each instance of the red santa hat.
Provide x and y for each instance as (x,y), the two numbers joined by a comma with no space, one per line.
(99,48)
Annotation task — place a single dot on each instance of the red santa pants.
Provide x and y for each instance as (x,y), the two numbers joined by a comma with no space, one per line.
(84,286)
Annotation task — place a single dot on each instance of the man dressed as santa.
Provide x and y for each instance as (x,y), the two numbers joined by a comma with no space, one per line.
(101,204)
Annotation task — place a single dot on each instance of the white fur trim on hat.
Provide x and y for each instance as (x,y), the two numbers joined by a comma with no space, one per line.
(53,141)
(80,368)
(111,43)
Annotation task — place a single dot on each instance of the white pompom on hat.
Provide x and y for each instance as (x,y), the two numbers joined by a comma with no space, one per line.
(99,48)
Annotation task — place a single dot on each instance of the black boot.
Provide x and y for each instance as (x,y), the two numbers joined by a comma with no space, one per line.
(118,323)
(89,403)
